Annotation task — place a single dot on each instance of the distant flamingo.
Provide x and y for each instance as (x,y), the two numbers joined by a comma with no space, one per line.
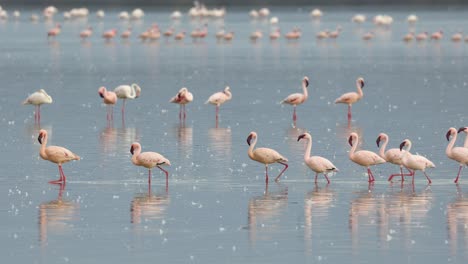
(148,160)
(335,33)
(464,129)
(275,34)
(408,37)
(86,33)
(168,33)
(294,34)
(220,98)
(54,31)
(195,34)
(220,34)
(415,162)
(109,98)
(110,34)
(37,99)
(458,154)
(55,154)
(126,34)
(368,36)
(297,98)
(256,35)
(353,97)
(182,98)
(228,36)
(437,35)
(127,92)
(364,158)
(457,37)
(392,155)
(180,36)
(316,163)
(323,34)
(422,36)
(265,155)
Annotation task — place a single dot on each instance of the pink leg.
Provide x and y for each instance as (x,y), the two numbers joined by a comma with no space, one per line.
(316,175)
(326,177)
(370,175)
(62,177)
(427,177)
(149,177)
(349,112)
(266,174)
(217,112)
(165,171)
(39,113)
(185,113)
(123,106)
(294,114)
(401,174)
(281,173)
(458,175)
(180,112)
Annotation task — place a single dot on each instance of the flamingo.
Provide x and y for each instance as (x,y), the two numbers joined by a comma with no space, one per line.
(458,154)
(195,34)
(368,36)
(168,33)
(457,37)
(408,37)
(148,160)
(55,154)
(220,34)
(220,98)
(464,129)
(228,36)
(86,33)
(256,35)
(336,33)
(294,34)
(54,31)
(183,97)
(316,163)
(297,98)
(37,99)
(127,92)
(422,36)
(127,33)
(265,155)
(437,35)
(415,162)
(110,34)
(276,34)
(392,155)
(109,98)
(364,158)
(180,36)
(353,97)
(323,34)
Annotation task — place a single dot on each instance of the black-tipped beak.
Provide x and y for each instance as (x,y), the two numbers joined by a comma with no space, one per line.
(402,145)
(350,141)
(306,82)
(461,129)
(378,142)
(447,136)
(101,95)
(301,137)
(131,149)
(249,138)
(39,138)
(362,83)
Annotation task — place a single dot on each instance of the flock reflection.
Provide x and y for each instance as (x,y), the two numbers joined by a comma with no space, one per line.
(457,222)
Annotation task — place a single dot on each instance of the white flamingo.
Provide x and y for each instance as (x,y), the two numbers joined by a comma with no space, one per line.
(220,98)
(415,162)
(37,99)
(127,92)
(458,154)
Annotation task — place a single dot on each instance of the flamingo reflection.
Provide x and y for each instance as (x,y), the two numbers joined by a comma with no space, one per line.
(148,206)
(457,221)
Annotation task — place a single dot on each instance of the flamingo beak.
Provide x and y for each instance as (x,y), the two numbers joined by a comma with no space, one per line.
(448,135)
(350,141)
(362,83)
(461,129)
(101,95)
(306,83)
(301,137)
(378,142)
(402,145)
(39,138)
(249,138)
(131,149)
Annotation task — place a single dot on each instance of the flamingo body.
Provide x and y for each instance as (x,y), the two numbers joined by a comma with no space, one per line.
(364,158)
(352,97)
(415,162)
(316,163)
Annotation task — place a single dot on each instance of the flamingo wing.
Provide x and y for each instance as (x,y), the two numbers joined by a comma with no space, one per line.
(347,98)
(293,99)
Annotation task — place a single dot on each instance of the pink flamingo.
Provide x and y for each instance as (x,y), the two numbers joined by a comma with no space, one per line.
(110,34)
(276,34)
(415,162)
(148,160)
(109,98)
(392,155)
(54,31)
(294,34)
(464,129)
(220,98)
(229,36)
(265,155)
(180,36)
(86,33)
(408,37)
(257,34)
(422,36)
(297,98)
(457,37)
(127,33)
(182,98)
(368,36)
(55,154)
(364,158)
(168,33)
(353,97)
(316,163)
(37,99)
(437,35)
(195,34)
(204,32)
(458,154)
(336,33)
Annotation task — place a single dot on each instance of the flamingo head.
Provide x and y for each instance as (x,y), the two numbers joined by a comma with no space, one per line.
(306,81)
(227,89)
(404,143)
(134,146)
(42,134)
(450,132)
(463,129)
(351,138)
(251,135)
(360,82)
(381,137)
(101,91)
(305,135)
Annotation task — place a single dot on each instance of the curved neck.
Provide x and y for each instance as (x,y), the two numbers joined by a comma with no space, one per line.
(42,151)
(136,152)
(466,141)
(450,145)
(307,153)
(359,89)
(304,89)
(251,148)
(229,96)
(382,148)
(132,91)
(353,148)
(408,148)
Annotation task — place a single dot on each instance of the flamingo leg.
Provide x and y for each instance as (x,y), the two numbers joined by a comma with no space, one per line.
(180,112)
(401,174)
(281,173)
(371,176)
(349,112)
(165,171)
(39,113)
(217,112)
(149,177)
(458,175)
(427,177)
(294,114)
(316,175)
(62,178)
(266,174)
(123,106)
(326,177)
(185,113)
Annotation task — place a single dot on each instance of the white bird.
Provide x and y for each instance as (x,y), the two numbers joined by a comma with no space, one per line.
(358,18)
(412,19)
(148,160)
(182,98)
(297,98)
(415,162)
(220,98)
(364,158)
(137,14)
(124,15)
(37,99)
(100,14)
(265,155)
(316,13)
(353,97)
(316,163)
(393,156)
(458,154)
(127,92)
(176,15)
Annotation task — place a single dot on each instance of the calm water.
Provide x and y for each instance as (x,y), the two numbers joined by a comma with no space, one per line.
(216,208)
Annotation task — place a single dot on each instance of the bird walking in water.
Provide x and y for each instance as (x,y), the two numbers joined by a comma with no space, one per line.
(297,98)
(37,99)
(392,155)
(316,163)
(220,98)
(182,98)
(265,155)
(415,162)
(54,31)
(127,92)
(148,160)
(364,158)
(109,98)
(352,97)
(55,154)
(458,154)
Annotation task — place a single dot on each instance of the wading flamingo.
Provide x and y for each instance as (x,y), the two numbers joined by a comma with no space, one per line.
(110,34)
(37,99)
(458,154)
(54,31)
(220,98)
(148,160)
(126,34)
(316,163)
(297,98)
(127,92)
(109,98)
(86,33)
(55,154)
(392,155)
(364,158)
(265,155)
(353,97)
(182,98)
(415,162)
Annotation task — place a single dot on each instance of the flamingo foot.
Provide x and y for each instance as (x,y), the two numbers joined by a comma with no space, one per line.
(59,181)
(281,173)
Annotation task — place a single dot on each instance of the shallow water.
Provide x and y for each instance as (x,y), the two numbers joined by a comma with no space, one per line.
(216,207)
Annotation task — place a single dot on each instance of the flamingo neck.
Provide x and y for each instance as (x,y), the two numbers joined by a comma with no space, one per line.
(228,95)
(308,153)
(406,153)
(382,149)
(466,141)
(304,89)
(251,148)
(136,153)
(450,145)
(353,148)
(132,92)
(42,150)
(359,90)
